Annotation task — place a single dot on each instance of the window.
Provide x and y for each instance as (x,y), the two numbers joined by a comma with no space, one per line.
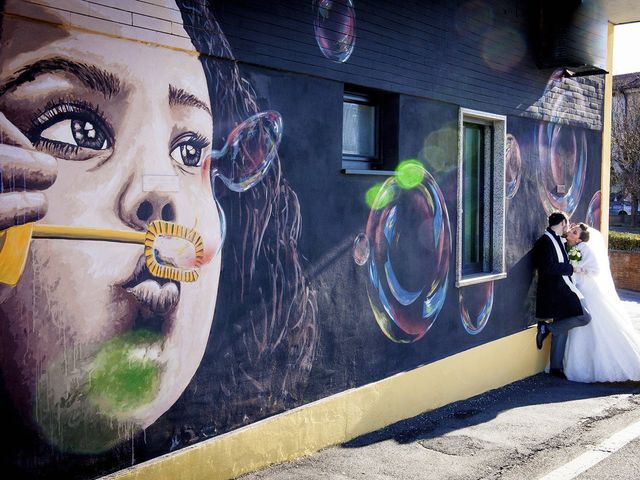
(480,244)
(360,131)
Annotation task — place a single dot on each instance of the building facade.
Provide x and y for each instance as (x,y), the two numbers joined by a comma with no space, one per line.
(222,212)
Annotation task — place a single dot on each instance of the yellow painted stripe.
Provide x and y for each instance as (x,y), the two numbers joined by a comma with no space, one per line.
(344,416)
(606,138)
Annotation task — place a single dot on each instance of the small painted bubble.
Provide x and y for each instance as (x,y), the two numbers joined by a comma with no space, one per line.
(513,166)
(334,25)
(476,302)
(593,217)
(361,249)
(249,151)
(409,260)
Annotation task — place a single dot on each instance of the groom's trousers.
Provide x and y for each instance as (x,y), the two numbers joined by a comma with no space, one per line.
(560,329)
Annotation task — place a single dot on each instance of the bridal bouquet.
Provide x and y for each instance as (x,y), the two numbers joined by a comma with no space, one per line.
(575,256)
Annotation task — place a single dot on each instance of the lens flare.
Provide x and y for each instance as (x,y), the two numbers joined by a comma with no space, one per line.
(409,262)
(476,302)
(334,25)
(562,170)
(503,49)
(437,153)
(361,249)
(474,18)
(409,174)
(513,166)
(593,217)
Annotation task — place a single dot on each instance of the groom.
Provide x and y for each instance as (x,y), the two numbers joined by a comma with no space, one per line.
(558,306)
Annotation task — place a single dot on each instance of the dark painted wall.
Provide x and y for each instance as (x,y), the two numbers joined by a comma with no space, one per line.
(294,318)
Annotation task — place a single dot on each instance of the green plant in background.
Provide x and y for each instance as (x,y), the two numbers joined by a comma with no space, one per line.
(624,241)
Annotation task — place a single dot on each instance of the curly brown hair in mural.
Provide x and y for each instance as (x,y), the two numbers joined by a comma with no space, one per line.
(263,358)
(94,347)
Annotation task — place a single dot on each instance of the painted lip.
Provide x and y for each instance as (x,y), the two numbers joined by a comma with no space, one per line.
(159,295)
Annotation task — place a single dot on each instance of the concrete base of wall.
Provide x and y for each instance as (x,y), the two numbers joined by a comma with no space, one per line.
(625,268)
(352,413)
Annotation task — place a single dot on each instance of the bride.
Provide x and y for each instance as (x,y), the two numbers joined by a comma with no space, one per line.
(608,348)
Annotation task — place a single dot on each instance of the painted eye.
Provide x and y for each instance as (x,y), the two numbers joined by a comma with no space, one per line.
(187,154)
(77,132)
(189,149)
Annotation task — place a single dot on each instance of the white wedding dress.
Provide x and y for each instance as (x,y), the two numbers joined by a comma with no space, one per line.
(608,348)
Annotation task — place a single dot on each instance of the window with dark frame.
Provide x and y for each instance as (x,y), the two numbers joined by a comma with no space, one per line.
(360,132)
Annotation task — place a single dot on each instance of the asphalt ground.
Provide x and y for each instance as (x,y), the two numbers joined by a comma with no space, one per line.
(525,430)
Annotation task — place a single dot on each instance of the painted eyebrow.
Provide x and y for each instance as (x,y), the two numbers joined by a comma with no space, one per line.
(178,96)
(90,75)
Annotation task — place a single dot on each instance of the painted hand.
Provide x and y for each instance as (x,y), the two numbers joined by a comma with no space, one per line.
(24,174)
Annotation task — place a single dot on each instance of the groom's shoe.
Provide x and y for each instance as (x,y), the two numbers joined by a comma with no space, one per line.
(557,372)
(543,332)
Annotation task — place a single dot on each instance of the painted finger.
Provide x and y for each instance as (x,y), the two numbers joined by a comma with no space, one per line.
(17,208)
(11,135)
(22,169)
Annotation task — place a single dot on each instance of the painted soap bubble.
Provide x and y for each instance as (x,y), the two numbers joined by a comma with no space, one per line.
(562,151)
(361,249)
(476,302)
(410,237)
(335,28)
(593,217)
(512,167)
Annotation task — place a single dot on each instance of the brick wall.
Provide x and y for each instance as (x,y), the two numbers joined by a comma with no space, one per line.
(153,21)
(625,268)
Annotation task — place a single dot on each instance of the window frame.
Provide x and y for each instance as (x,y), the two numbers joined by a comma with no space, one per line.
(494,128)
(362,162)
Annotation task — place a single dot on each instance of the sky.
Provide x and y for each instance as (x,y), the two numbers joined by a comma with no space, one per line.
(626,39)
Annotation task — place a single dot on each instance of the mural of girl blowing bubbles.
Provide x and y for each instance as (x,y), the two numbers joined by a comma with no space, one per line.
(408,265)
(94,347)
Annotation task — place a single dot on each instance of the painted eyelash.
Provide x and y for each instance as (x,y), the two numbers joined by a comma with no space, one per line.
(57,148)
(53,110)
(198,140)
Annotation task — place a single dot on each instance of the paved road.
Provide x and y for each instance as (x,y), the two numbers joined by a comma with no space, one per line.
(522,431)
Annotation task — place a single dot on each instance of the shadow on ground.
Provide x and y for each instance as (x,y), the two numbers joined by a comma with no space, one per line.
(537,390)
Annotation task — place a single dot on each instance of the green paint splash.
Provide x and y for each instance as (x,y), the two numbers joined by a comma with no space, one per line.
(122,378)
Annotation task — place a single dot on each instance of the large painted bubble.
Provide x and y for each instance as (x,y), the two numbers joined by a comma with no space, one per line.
(562,151)
(512,167)
(476,302)
(410,238)
(593,217)
(334,25)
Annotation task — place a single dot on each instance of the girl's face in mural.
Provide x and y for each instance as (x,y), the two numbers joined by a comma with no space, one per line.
(94,347)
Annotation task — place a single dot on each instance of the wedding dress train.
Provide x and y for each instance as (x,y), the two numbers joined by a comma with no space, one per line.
(608,348)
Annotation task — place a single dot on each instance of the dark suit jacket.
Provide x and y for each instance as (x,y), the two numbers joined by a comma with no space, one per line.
(554,298)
